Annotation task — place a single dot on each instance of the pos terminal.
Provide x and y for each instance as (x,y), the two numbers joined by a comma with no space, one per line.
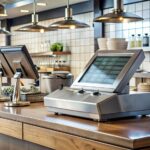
(101,92)
(20,62)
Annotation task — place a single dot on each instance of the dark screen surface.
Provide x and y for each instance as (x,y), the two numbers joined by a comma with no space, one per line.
(104,69)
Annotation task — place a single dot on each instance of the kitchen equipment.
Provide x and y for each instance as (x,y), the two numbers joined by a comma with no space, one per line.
(117,44)
(54,81)
(118,15)
(101,92)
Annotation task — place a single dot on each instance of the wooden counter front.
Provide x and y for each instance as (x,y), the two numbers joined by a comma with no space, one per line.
(11,128)
(56,132)
(62,141)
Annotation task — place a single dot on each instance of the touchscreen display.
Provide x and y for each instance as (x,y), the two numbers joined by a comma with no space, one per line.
(104,70)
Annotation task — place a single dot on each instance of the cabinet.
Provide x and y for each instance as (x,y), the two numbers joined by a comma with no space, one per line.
(11,128)
(61,141)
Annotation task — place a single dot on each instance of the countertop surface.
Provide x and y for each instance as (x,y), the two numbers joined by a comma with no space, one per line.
(129,133)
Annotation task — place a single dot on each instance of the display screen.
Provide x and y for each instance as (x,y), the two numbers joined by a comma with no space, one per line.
(105,69)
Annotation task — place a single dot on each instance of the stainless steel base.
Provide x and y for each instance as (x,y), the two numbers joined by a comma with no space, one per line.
(102,107)
(18,104)
(4,99)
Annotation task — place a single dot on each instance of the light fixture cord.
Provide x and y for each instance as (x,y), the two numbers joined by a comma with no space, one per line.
(34,7)
(68,4)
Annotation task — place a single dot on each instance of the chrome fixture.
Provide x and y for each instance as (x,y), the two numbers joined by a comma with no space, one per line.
(2,11)
(68,22)
(118,15)
(34,27)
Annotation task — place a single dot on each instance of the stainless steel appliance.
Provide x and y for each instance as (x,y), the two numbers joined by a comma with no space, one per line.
(101,92)
(55,80)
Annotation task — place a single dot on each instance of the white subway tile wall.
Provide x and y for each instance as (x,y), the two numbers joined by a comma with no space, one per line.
(2,40)
(79,41)
(125,30)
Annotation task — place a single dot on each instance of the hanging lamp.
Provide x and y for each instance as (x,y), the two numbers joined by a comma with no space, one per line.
(2,11)
(3,31)
(34,27)
(68,22)
(118,15)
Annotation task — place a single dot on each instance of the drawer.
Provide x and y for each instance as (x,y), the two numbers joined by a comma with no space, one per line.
(11,128)
(61,141)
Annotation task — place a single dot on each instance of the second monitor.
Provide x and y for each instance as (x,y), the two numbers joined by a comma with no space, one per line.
(22,65)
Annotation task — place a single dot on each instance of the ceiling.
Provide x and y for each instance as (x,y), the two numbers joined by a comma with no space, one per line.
(14,6)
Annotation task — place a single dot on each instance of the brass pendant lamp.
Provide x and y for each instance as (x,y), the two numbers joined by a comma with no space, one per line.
(68,22)
(2,11)
(34,27)
(118,15)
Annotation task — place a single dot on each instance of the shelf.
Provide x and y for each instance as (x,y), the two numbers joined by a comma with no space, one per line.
(48,54)
(145,49)
(48,69)
(142,75)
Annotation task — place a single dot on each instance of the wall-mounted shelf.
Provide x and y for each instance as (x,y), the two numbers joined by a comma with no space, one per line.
(51,69)
(48,54)
(145,49)
(142,75)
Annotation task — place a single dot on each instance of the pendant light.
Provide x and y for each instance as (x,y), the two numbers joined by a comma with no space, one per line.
(3,31)
(34,27)
(68,22)
(118,15)
(2,11)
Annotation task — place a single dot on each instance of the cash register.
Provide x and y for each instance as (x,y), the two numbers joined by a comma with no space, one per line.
(101,92)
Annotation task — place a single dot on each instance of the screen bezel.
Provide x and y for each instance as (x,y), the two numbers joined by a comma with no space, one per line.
(123,77)
(11,53)
(7,70)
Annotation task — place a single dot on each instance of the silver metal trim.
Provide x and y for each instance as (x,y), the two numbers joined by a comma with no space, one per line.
(122,78)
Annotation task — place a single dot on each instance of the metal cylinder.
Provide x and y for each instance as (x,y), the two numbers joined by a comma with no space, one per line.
(68,13)
(50,83)
(35,18)
(118,5)
(2,10)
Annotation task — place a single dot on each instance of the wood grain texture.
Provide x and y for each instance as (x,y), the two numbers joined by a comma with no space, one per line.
(130,133)
(11,128)
(9,143)
(62,141)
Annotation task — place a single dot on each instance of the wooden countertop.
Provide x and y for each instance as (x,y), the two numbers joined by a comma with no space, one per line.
(131,133)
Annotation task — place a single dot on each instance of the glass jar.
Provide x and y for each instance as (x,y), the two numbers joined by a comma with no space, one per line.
(139,41)
(132,41)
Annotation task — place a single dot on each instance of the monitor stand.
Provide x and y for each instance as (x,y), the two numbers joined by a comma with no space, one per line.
(16,100)
(2,97)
